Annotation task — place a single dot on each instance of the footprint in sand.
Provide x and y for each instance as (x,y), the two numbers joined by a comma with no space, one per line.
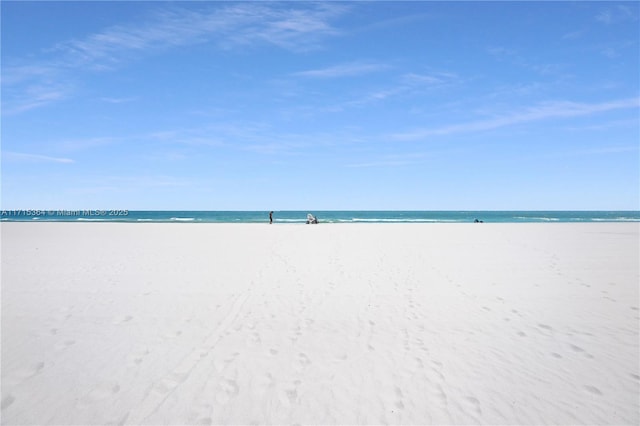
(169,383)
(222,364)
(399,404)
(137,358)
(297,332)
(437,371)
(227,390)
(7,401)
(303,360)
(122,320)
(592,389)
(437,399)
(101,392)
(254,339)
(288,395)
(265,383)
(201,416)
(23,374)
(474,404)
(65,345)
(578,349)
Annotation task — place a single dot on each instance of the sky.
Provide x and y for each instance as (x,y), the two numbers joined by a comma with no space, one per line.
(320,105)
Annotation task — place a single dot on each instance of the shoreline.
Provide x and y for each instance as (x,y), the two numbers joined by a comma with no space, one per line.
(337,216)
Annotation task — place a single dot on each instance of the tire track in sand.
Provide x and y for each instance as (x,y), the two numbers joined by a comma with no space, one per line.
(162,389)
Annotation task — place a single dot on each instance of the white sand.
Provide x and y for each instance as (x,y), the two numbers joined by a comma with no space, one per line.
(332,324)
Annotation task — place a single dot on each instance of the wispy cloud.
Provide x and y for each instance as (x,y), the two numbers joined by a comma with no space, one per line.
(607,150)
(500,51)
(619,49)
(343,70)
(398,160)
(380,164)
(16,74)
(21,156)
(432,79)
(408,84)
(616,14)
(226,26)
(551,110)
(629,123)
(33,96)
(87,143)
(573,35)
(514,57)
(118,100)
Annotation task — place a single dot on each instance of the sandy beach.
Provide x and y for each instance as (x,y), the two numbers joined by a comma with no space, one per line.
(198,324)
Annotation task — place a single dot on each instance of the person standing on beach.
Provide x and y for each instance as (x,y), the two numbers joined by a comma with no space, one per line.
(270,218)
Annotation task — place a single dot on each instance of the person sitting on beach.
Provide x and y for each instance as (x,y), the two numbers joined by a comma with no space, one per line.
(311,219)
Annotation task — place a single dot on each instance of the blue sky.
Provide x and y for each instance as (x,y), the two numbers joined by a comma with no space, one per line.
(334,105)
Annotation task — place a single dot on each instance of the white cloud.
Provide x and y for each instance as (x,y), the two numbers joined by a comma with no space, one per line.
(617,14)
(33,97)
(430,80)
(500,51)
(380,164)
(229,26)
(298,28)
(573,35)
(409,84)
(343,70)
(544,111)
(118,100)
(20,156)
(605,17)
(12,75)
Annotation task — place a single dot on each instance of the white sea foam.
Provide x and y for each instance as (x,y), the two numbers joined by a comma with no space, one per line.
(183,219)
(380,220)
(616,219)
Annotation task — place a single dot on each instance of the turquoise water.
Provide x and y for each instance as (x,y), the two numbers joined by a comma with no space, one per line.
(334,216)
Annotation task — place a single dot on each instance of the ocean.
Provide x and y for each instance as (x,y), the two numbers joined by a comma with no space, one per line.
(329,216)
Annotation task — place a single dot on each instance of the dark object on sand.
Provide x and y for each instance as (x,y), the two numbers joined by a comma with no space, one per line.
(311,219)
